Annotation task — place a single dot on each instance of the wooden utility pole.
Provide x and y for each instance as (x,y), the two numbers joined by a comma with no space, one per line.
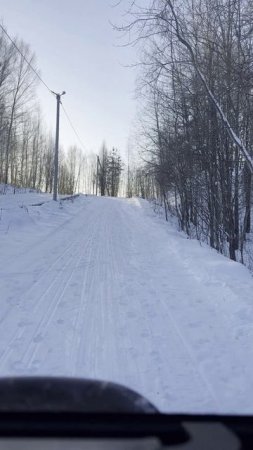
(56,149)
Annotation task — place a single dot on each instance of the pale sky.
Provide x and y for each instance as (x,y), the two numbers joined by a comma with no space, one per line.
(78,51)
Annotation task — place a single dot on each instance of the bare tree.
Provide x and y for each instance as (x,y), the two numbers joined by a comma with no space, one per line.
(197,81)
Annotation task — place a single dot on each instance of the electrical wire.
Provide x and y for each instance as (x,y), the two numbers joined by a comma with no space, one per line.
(26,60)
(45,84)
(73,128)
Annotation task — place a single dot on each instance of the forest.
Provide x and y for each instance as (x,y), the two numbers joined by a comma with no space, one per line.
(196,86)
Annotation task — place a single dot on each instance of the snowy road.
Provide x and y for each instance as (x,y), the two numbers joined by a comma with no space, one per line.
(115,293)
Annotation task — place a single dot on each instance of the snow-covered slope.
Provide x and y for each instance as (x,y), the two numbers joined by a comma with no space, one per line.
(103,288)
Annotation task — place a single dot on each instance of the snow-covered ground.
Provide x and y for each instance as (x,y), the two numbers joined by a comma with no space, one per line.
(103,288)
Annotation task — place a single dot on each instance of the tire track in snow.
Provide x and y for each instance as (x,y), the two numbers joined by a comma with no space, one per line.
(42,278)
(118,264)
(82,252)
(78,343)
(20,332)
(48,236)
(46,321)
(36,284)
(37,304)
(142,331)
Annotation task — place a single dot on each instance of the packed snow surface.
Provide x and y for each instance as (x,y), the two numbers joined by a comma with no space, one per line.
(103,288)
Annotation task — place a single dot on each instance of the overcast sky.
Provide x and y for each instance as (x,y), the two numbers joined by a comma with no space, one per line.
(78,51)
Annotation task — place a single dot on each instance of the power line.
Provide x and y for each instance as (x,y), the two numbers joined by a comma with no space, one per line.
(45,84)
(29,64)
(73,128)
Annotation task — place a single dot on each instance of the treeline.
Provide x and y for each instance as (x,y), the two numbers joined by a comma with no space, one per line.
(198,84)
(26,148)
